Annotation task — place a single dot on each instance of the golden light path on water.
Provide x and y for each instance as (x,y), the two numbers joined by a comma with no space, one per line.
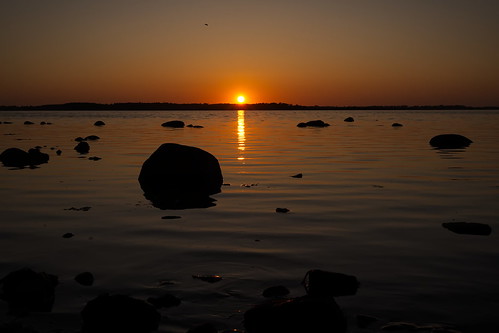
(240,134)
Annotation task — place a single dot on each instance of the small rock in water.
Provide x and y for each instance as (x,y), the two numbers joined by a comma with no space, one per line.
(208,278)
(95,158)
(82,147)
(397,125)
(85,209)
(99,123)
(27,122)
(349,120)
(281,210)
(276,291)
(79,139)
(85,279)
(450,141)
(92,137)
(170,217)
(313,123)
(174,124)
(68,235)
(298,175)
(468,228)
(164,301)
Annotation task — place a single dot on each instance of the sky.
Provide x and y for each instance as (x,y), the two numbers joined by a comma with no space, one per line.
(314,52)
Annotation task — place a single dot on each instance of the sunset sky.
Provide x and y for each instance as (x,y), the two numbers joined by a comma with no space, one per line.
(316,52)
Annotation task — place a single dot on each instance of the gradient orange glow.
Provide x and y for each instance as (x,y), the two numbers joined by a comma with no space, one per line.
(332,53)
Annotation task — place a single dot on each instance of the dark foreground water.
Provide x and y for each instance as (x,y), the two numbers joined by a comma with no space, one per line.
(371,203)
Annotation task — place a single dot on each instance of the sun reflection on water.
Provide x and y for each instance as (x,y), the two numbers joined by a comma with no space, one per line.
(240,134)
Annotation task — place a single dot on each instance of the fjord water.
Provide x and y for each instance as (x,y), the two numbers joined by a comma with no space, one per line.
(371,203)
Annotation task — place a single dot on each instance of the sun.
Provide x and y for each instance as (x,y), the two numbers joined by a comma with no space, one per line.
(241,99)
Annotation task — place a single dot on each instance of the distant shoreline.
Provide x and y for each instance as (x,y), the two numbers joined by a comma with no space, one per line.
(227,106)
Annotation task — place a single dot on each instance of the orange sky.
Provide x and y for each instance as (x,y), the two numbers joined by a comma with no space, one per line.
(300,52)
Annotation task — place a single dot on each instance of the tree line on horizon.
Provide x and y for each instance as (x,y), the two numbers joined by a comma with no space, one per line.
(84,106)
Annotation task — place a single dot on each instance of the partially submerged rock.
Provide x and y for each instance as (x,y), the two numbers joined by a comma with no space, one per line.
(450,141)
(313,123)
(174,124)
(15,157)
(99,123)
(177,177)
(397,125)
(349,120)
(296,315)
(468,228)
(323,283)
(82,147)
(119,313)
(28,291)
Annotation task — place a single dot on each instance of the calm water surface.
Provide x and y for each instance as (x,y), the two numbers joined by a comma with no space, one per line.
(371,203)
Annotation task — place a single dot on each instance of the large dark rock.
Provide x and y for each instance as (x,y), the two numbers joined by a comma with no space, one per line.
(468,228)
(177,177)
(174,124)
(28,291)
(82,147)
(313,123)
(296,315)
(119,313)
(15,157)
(450,141)
(322,283)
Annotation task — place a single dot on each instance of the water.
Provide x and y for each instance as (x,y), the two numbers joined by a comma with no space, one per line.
(371,203)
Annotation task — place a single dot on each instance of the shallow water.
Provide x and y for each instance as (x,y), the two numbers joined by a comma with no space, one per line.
(371,203)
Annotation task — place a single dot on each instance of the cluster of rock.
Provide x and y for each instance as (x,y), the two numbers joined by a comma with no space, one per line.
(15,157)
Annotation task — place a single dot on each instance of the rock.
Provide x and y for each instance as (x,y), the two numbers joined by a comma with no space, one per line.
(298,175)
(276,291)
(468,228)
(27,122)
(92,137)
(281,210)
(177,177)
(165,301)
(397,125)
(79,139)
(15,157)
(119,313)
(171,217)
(43,123)
(174,124)
(28,291)
(313,123)
(450,141)
(99,123)
(58,152)
(208,278)
(296,315)
(85,279)
(82,147)
(349,120)
(95,158)
(322,283)
(68,235)
(203,328)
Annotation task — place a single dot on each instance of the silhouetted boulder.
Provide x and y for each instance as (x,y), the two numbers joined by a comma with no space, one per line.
(468,228)
(82,147)
(15,157)
(313,123)
(28,291)
(85,279)
(119,313)
(397,125)
(174,124)
(322,283)
(99,123)
(177,177)
(296,315)
(450,141)
(27,122)
(349,120)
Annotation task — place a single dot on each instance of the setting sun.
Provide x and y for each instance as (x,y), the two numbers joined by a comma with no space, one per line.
(241,99)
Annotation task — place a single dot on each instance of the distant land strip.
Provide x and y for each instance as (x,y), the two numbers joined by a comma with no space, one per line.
(228,106)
